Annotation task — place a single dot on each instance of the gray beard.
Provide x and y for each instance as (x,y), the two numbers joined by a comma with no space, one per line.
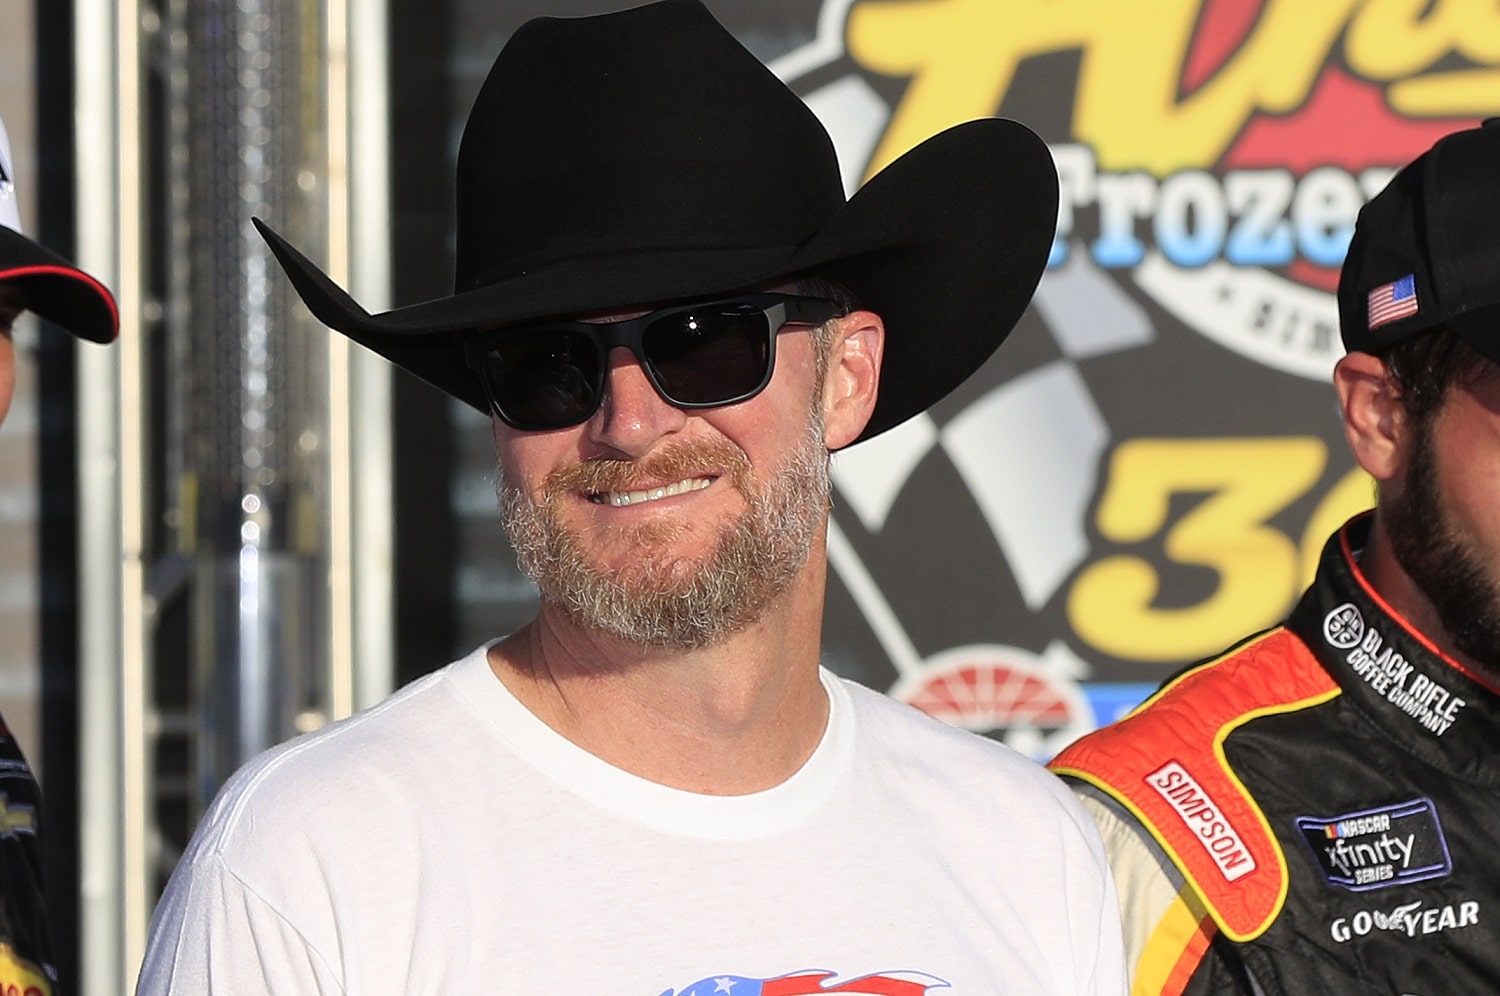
(658,600)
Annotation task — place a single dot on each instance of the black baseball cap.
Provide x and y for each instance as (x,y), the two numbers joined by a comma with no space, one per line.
(54,288)
(1426,250)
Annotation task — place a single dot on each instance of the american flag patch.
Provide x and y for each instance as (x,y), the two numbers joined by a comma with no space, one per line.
(1393,301)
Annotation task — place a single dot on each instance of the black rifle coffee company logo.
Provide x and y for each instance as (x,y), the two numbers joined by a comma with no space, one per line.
(1388,671)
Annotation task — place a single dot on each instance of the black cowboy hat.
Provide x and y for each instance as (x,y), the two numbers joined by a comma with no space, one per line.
(645,157)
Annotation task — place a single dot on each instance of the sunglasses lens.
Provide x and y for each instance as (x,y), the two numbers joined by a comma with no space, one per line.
(544,378)
(709,355)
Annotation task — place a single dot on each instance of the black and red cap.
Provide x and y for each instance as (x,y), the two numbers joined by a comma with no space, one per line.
(54,288)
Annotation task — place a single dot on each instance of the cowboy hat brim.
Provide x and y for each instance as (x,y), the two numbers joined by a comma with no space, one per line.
(57,290)
(946,244)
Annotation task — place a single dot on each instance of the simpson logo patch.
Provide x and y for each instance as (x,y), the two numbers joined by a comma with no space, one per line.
(1379,848)
(1204,818)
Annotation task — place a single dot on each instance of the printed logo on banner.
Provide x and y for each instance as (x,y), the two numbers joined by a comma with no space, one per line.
(1025,699)
(1379,848)
(1248,145)
(1221,199)
(1387,671)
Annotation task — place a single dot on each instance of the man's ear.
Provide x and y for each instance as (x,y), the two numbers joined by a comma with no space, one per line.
(853,378)
(1375,420)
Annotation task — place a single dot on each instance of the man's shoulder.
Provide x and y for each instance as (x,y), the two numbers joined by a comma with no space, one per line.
(902,726)
(358,761)
(1271,672)
(1163,766)
(900,737)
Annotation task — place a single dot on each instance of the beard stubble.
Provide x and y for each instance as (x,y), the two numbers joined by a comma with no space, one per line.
(659,599)
(1429,548)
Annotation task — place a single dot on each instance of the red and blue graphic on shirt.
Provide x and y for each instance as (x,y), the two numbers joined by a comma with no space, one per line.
(810,983)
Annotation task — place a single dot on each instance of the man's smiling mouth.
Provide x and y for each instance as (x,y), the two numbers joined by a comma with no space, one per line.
(619,499)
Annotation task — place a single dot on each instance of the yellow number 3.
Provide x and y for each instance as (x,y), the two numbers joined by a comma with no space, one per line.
(1260,570)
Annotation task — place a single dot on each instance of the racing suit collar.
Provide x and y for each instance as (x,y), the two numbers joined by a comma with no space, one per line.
(1419,698)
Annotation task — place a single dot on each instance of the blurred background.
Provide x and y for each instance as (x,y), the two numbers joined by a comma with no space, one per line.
(231,526)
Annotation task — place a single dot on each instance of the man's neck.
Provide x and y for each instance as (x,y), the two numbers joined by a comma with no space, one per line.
(1385,574)
(740,716)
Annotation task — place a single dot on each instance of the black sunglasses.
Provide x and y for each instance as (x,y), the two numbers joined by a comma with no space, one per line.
(551,375)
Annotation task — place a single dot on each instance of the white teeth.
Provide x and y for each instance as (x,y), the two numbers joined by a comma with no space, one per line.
(620,499)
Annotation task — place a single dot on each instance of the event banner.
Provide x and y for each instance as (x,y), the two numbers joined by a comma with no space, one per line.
(1147,470)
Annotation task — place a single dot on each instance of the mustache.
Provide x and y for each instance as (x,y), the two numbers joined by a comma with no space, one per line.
(710,458)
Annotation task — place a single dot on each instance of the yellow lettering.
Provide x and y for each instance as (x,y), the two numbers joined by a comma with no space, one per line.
(1397,40)
(960,57)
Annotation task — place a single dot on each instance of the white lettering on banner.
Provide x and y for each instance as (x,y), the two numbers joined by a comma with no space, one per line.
(1262,217)
(1204,818)
(1390,674)
(1408,919)
(1264,317)
(1215,276)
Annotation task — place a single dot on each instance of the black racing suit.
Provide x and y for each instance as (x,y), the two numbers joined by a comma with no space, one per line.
(1325,797)
(26,966)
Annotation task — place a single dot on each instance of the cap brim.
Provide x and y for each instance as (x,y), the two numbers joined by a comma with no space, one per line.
(57,290)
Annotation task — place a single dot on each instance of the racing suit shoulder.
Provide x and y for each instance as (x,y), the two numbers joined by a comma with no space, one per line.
(1164,764)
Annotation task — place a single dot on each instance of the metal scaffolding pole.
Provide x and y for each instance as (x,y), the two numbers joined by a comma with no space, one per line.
(220,448)
(254,486)
(111,662)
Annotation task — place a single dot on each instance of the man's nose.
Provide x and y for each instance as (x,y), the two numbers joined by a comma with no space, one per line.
(632,416)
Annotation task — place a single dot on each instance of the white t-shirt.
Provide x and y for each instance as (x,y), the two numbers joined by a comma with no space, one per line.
(448,841)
